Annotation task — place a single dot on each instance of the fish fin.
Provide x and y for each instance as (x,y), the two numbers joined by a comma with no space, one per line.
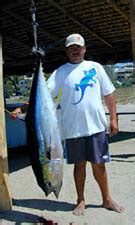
(48,152)
(48,155)
(57,190)
(48,188)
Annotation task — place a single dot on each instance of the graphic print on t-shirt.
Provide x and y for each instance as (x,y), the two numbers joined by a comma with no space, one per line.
(86,81)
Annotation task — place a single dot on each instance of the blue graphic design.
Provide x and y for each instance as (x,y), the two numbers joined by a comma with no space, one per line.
(85,82)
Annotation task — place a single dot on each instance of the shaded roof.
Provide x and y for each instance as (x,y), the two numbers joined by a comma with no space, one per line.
(104,24)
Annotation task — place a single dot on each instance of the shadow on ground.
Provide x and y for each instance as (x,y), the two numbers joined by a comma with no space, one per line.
(49,205)
(41,204)
(122,136)
(18,159)
(123,158)
(20,217)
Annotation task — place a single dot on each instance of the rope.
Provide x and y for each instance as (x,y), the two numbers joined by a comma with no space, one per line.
(40,52)
(34,23)
(36,49)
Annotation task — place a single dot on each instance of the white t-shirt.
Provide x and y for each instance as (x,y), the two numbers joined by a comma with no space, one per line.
(82,85)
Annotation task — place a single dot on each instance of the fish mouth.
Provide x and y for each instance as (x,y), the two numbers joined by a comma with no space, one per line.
(49,187)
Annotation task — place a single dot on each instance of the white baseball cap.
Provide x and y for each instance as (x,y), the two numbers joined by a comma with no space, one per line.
(75,39)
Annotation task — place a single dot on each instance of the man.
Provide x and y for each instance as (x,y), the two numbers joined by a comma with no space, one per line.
(83,120)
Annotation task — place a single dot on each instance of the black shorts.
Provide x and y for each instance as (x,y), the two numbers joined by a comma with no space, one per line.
(92,148)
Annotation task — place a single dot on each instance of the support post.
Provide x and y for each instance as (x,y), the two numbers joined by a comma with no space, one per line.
(5,195)
(132,10)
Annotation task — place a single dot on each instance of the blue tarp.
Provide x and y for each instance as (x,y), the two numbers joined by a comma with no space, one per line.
(15,129)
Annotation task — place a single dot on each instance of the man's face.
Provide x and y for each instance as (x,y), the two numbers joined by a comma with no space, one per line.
(75,53)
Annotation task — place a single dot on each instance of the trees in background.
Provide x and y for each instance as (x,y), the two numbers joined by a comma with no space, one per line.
(17,86)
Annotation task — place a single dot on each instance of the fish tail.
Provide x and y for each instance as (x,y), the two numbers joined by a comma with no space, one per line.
(57,190)
(48,188)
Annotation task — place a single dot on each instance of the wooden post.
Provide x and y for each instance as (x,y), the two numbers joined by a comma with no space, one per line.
(5,195)
(132,10)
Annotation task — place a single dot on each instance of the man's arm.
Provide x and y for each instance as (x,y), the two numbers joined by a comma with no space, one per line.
(111,105)
(20,111)
(14,114)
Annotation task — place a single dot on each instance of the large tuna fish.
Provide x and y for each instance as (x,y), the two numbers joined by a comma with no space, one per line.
(43,136)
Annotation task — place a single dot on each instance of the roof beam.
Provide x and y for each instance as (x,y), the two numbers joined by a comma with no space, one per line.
(24,21)
(16,41)
(118,9)
(12,5)
(75,20)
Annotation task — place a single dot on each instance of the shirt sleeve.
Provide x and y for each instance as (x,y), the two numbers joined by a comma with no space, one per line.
(54,83)
(106,84)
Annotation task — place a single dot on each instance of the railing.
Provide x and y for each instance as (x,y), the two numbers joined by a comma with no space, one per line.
(122,113)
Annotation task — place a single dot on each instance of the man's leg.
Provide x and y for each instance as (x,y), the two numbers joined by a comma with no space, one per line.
(100,175)
(79,178)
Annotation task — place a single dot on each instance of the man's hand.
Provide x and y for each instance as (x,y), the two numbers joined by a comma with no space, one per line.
(113,129)
(15,113)
(111,105)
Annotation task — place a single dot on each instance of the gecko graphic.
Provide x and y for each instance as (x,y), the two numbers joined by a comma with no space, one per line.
(85,82)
